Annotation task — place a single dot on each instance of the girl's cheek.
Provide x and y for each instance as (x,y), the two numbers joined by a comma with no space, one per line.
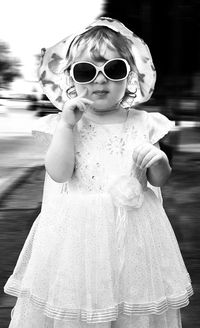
(120,91)
(81,88)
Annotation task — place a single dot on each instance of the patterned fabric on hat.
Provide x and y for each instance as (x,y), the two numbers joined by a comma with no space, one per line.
(55,81)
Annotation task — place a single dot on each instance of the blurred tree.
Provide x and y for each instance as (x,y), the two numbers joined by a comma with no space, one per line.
(9,66)
(171,30)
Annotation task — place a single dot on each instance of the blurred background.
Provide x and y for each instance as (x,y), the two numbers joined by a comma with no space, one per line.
(171,30)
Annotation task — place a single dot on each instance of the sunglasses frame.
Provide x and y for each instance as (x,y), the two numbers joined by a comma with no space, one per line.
(100,69)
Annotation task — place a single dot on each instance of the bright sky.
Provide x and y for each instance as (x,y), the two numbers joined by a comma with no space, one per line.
(29,25)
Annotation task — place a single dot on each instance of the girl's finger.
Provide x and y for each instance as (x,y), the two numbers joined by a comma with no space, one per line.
(82,96)
(139,153)
(83,93)
(136,151)
(147,158)
(87,101)
(80,105)
(153,161)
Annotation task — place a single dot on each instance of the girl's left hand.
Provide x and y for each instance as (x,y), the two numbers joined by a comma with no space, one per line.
(146,155)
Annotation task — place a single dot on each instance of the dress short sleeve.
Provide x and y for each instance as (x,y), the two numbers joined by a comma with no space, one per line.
(158,126)
(44,128)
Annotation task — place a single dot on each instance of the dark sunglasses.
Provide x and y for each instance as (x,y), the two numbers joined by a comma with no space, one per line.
(116,69)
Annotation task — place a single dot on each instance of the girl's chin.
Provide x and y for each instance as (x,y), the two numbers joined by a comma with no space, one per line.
(101,106)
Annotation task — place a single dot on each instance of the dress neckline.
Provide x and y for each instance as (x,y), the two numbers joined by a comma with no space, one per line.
(108,124)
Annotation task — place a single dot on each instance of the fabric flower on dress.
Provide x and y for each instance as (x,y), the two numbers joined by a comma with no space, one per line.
(127,192)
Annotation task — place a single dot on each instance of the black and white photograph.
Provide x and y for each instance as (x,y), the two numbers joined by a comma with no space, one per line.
(99,164)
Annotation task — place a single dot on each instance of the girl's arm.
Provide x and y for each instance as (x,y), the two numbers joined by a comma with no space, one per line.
(159,172)
(60,158)
(59,161)
(150,157)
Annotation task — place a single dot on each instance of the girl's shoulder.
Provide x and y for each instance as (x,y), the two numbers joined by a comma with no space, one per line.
(155,124)
(43,128)
(143,115)
(46,124)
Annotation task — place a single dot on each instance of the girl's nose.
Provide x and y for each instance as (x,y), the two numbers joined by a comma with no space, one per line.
(100,78)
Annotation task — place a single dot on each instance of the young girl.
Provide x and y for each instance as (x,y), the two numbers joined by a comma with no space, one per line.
(102,252)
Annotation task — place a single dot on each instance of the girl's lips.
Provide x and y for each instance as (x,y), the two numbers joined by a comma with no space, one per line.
(100,92)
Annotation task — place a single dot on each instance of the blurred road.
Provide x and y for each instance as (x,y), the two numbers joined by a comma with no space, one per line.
(21,167)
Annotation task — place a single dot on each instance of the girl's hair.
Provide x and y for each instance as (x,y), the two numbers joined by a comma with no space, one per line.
(97,40)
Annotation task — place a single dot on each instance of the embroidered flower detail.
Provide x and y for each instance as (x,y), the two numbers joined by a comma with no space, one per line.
(116,145)
(88,132)
(127,192)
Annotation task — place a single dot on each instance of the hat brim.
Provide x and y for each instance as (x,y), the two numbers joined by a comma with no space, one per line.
(55,81)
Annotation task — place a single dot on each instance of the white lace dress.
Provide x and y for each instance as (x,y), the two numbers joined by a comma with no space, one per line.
(102,252)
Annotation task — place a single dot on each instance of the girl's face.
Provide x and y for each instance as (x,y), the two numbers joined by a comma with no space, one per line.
(104,93)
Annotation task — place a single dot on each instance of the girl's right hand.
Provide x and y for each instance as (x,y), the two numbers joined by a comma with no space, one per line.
(74,108)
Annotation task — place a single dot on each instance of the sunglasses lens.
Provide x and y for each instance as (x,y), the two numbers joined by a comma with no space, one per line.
(83,72)
(116,69)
